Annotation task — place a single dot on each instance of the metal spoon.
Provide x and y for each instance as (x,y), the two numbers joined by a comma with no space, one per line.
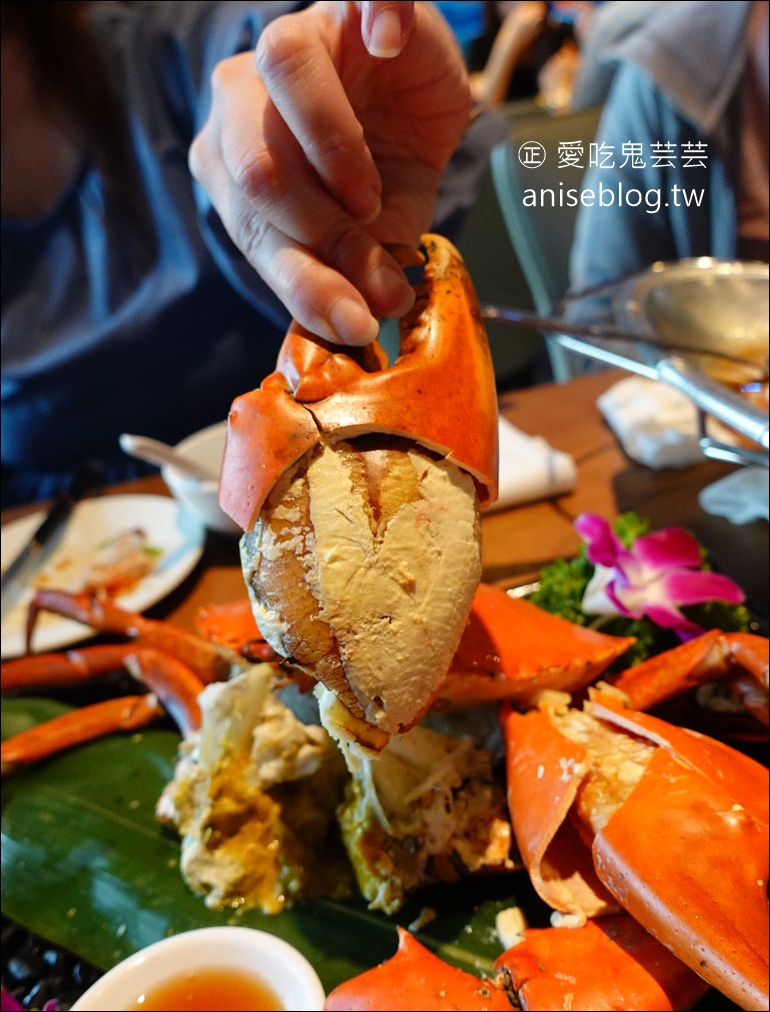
(155,452)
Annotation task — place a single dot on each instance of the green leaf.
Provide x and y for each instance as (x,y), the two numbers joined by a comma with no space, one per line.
(86,866)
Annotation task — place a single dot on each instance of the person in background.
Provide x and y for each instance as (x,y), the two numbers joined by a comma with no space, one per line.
(691,93)
(519,26)
(608,25)
(530,51)
(140,296)
(468,21)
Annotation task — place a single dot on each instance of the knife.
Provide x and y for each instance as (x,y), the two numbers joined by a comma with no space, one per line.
(56,517)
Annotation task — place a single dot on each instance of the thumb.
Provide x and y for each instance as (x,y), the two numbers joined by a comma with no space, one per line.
(385,26)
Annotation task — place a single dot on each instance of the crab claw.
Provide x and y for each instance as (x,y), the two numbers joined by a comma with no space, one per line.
(672,827)
(439,393)
(414,978)
(512,649)
(712,655)
(359,486)
(554,968)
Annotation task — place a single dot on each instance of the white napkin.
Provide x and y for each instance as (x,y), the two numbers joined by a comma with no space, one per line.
(742,496)
(530,468)
(657,425)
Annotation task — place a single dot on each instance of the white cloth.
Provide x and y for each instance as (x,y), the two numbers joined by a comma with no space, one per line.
(657,425)
(530,468)
(742,496)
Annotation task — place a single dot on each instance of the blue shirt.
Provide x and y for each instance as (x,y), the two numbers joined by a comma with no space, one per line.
(150,322)
(108,328)
(678,80)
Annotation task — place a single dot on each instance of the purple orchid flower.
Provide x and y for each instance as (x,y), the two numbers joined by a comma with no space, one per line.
(9,1003)
(657,575)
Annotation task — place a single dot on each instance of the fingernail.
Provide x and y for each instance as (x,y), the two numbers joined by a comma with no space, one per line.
(385,34)
(351,323)
(388,290)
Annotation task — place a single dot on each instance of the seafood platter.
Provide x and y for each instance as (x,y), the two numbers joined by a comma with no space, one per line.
(448,797)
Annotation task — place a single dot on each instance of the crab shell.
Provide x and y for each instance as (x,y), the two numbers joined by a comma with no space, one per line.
(555,968)
(686,852)
(415,978)
(549,968)
(440,393)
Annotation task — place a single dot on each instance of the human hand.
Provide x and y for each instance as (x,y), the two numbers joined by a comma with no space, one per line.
(316,153)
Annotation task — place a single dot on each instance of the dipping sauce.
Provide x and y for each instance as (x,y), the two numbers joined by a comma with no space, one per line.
(211,989)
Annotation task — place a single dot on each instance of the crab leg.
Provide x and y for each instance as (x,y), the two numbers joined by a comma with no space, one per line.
(125,714)
(614,808)
(211,663)
(171,682)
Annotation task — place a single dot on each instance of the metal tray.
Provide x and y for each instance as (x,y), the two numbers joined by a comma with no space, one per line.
(700,325)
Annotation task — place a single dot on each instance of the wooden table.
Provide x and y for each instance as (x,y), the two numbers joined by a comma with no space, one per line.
(518,541)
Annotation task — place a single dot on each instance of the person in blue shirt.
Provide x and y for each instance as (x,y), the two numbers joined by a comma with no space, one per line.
(694,82)
(140,296)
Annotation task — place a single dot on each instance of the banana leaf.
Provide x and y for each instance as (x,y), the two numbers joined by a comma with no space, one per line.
(86,866)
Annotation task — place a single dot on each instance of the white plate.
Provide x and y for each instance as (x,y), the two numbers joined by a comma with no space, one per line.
(172,531)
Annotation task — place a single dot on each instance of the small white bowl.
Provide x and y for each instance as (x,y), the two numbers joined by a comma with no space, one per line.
(269,959)
(201,498)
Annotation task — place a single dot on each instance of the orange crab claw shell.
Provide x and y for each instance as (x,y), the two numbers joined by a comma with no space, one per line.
(685,852)
(710,908)
(544,772)
(439,393)
(441,389)
(267,432)
(78,726)
(414,978)
(714,654)
(553,968)
(708,904)
(746,779)
(752,653)
(511,649)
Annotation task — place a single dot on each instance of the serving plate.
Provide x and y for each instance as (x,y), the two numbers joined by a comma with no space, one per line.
(704,305)
(173,533)
(699,325)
